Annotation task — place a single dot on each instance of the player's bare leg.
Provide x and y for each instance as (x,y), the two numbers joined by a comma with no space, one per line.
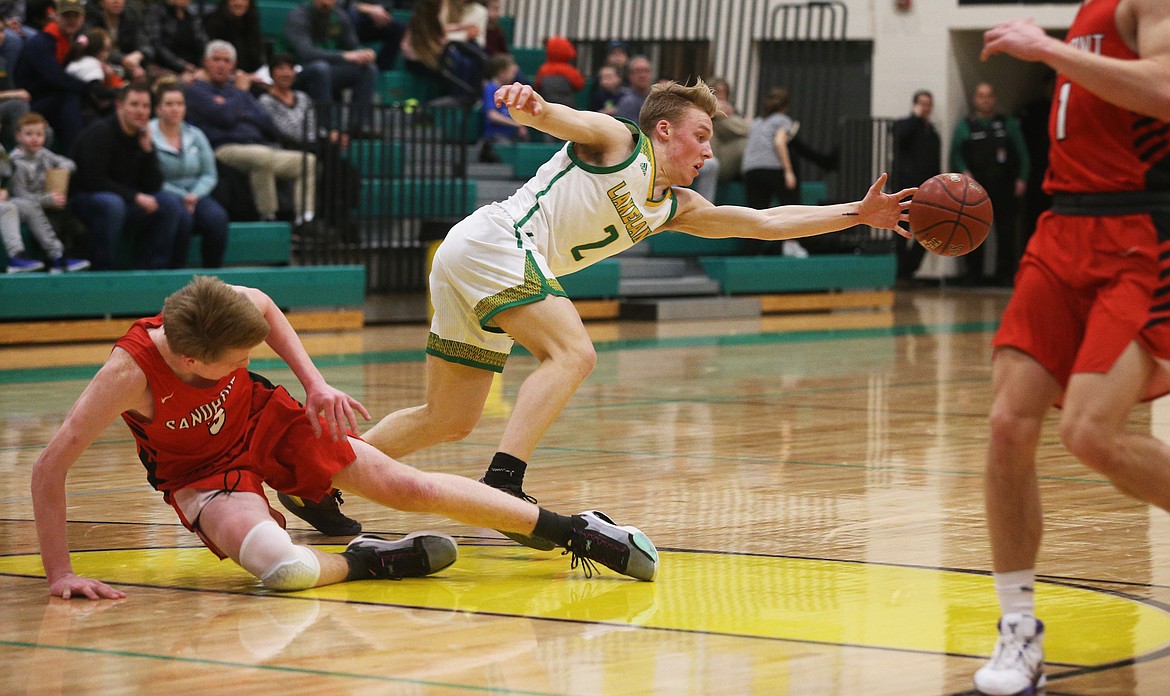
(590,537)
(240,525)
(553,332)
(228,519)
(383,480)
(1024,391)
(1093,427)
(455,398)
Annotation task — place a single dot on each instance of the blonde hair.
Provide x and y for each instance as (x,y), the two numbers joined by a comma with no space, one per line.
(207,317)
(670,101)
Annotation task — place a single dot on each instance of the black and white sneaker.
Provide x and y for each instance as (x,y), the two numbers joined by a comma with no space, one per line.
(325,516)
(534,542)
(413,556)
(596,539)
(1016,667)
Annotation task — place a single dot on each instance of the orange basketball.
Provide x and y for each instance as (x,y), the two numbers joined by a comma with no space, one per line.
(950,215)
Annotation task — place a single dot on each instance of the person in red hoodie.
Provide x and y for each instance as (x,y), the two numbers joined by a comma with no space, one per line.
(558,79)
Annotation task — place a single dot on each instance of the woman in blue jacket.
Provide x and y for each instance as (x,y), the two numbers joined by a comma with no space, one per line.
(187,163)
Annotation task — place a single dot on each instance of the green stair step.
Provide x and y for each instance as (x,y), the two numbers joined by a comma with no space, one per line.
(668,243)
(526,158)
(733,193)
(599,281)
(141,293)
(771,274)
(251,244)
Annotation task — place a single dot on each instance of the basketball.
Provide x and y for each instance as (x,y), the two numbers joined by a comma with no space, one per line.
(950,215)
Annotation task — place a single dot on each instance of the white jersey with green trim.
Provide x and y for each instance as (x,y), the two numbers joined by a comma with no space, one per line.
(577,214)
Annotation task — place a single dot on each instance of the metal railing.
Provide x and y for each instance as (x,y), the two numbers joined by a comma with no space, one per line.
(387,188)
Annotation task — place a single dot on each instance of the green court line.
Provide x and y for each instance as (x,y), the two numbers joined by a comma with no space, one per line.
(85,372)
(270,668)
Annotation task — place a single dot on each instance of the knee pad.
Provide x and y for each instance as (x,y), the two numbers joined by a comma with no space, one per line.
(268,553)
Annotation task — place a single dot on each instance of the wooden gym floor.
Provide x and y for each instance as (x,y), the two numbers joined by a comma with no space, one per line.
(815,493)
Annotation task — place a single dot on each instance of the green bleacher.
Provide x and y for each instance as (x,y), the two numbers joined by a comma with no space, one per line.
(140,293)
(526,158)
(602,280)
(258,255)
(427,198)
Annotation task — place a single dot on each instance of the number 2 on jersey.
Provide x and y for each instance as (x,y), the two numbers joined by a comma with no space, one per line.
(609,230)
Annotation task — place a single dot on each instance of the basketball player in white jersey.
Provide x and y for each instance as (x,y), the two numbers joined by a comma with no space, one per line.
(494,278)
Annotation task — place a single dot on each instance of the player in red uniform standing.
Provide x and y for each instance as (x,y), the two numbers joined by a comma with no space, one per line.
(209,433)
(1087,325)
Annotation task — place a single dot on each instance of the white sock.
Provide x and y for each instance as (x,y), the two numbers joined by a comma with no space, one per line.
(1016,591)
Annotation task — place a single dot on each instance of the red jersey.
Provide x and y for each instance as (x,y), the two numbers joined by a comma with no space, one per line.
(1096,146)
(196,432)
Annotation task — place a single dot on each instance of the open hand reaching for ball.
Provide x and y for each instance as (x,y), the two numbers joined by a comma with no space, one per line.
(519,97)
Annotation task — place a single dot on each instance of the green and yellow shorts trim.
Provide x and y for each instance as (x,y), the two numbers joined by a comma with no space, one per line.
(534,288)
(465,354)
(471,283)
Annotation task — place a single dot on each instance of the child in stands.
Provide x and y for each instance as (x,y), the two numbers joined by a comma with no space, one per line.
(28,169)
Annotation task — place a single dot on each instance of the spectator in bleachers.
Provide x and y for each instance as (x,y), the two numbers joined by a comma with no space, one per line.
(498,125)
(41,71)
(641,78)
(427,51)
(767,165)
(178,36)
(721,88)
(89,59)
(374,24)
(131,52)
(14,33)
(245,138)
(917,156)
(609,90)
(617,54)
(119,188)
(729,137)
(293,113)
(88,62)
(29,208)
(238,23)
(558,79)
(13,101)
(466,20)
(38,13)
(34,165)
(332,58)
(495,40)
(187,163)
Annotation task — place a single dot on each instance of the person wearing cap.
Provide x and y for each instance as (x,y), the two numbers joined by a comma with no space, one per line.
(617,54)
(41,71)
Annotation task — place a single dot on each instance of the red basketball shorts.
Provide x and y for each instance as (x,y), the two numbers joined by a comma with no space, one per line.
(282,452)
(1087,287)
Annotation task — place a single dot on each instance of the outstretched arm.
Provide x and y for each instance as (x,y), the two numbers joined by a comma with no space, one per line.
(1141,85)
(877,209)
(118,386)
(334,405)
(600,132)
